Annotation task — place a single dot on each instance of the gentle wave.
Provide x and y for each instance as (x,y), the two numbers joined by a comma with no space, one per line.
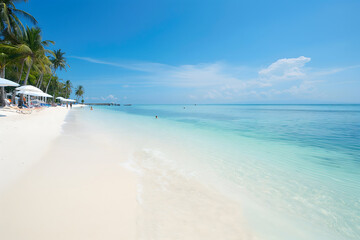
(298,164)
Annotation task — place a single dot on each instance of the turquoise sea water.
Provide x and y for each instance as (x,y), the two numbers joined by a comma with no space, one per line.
(295,168)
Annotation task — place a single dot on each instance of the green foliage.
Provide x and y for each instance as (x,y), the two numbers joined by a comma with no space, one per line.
(58,60)
(10,23)
(79,92)
(68,88)
(24,57)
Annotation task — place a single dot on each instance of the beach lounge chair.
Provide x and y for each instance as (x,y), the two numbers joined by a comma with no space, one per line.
(16,109)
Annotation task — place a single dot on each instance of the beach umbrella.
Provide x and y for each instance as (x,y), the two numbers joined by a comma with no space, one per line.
(34,94)
(32,91)
(28,88)
(61,99)
(43,95)
(7,83)
(29,93)
(65,100)
(46,95)
(39,94)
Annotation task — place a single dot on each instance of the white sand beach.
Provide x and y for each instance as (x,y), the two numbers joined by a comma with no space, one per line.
(56,186)
(25,138)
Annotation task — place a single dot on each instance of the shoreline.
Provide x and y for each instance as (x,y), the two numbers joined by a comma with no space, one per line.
(92,184)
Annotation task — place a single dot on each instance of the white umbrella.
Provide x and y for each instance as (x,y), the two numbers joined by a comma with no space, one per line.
(41,94)
(29,88)
(47,95)
(29,93)
(36,94)
(7,83)
(32,91)
(65,100)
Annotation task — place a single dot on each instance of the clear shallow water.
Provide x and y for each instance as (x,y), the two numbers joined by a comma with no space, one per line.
(296,168)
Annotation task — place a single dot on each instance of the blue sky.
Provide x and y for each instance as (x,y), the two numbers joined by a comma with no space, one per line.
(225,51)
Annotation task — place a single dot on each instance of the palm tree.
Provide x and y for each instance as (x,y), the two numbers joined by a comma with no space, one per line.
(24,51)
(68,88)
(58,62)
(56,88)
(3,60)
(43,67)
(36,51)
(9,18)
(7,55)
(79,92)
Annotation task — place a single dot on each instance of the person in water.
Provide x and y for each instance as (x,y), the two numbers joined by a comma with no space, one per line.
(156,117)
(91,108)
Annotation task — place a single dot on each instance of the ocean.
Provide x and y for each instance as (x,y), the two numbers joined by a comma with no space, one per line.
(276,171)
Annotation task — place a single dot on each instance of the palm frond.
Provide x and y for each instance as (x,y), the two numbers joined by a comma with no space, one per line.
(26,15)
(47,42)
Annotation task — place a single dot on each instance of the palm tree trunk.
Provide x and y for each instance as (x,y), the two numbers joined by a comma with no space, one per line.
(47,87)
(27,75)
(2,91)
(21,71)
(42,78)
(38,81)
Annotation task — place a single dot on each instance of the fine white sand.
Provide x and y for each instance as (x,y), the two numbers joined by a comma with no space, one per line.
(25,138)
(62,186)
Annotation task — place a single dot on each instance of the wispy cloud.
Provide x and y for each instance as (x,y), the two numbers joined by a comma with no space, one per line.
(139,66)
(220,80)
(109,97)
(334,70)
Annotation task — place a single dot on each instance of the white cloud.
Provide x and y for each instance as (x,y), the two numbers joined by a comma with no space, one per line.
(109,97)
(216,81)
(138,66)
(284,69)
(92,98)
(334,70)
(183,76)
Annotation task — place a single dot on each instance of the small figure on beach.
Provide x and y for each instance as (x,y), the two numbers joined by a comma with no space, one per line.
(67,105)
(70,105)
(91,108)
(156,116)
